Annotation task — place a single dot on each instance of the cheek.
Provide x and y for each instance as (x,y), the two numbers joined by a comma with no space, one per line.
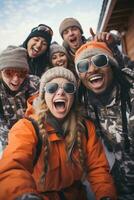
(48,100)
(54,61)
(82,77)
(71,100)
(6,80)
(108,75)
(44,48)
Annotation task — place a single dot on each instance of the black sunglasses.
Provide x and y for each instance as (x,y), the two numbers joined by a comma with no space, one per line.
(44,28)
(51,88)
(100,60)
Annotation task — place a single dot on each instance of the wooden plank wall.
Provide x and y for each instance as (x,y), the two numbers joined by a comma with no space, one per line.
(130,38)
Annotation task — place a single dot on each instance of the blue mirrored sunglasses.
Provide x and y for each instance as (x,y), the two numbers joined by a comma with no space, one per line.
(100,60)
(51,88)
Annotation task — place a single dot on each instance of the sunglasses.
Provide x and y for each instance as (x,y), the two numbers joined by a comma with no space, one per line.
(43,28)
(99,60)
(9,73)
(51,88)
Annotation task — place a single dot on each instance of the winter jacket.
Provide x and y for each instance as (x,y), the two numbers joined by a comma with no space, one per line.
(13,105)
(16,166)
(110,118)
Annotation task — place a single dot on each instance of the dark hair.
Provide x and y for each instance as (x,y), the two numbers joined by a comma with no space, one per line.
(121,81)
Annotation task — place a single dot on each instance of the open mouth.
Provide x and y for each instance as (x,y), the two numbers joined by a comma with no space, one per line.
(96,81)
(59,105)
(73,40)
(95,78)
(35,51)
(60,64)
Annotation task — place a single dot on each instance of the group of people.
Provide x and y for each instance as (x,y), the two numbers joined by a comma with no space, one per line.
(67,117)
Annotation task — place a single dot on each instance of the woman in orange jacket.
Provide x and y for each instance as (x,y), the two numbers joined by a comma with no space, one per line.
(70,150)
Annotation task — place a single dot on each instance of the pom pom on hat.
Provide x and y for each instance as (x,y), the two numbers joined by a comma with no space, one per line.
(68,22)
(92,48)
(14,56)
(56,72)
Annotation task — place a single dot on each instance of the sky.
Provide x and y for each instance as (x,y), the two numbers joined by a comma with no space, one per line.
(18,17)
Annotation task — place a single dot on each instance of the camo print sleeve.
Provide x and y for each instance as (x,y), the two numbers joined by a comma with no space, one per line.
(33,85)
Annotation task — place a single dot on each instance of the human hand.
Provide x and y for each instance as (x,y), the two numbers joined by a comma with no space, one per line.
(102,37)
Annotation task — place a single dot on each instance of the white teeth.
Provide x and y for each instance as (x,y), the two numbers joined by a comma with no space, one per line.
(95,77)
(35,50)
(60,100)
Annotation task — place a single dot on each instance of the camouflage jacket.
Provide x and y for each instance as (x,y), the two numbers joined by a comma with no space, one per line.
(13,105)
(111,127)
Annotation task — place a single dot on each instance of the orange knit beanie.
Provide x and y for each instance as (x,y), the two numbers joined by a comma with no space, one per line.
(93,48)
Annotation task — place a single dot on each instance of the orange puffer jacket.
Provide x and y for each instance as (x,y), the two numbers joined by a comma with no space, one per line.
(17,175)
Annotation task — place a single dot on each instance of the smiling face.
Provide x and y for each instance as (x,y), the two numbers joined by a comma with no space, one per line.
(60,102)
(59,59)
(36,46)
(13,77)
(73,37)
(97,79)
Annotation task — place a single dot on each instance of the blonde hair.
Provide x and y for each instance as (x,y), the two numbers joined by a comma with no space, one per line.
(73,126)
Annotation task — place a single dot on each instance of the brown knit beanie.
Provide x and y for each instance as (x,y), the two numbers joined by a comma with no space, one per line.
(68,22)
(55,48)
(92,48)
(56,72)
(14,56)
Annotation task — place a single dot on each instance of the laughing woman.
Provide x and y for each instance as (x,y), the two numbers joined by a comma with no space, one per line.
(70,149)
(37,44)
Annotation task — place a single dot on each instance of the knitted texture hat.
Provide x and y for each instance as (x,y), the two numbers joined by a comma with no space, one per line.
(41,30)
(55,48)
(14,56)
(68,22)
(56,72)
(92,48)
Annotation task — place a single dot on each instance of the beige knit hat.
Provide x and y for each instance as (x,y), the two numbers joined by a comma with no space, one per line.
(56,72)
(14,56)
(68,22)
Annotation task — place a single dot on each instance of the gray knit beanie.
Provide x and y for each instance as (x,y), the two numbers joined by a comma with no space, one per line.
(55,48)
(68,22)
(56,72)
(14,56)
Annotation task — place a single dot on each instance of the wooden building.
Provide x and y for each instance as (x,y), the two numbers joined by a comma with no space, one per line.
(119,15)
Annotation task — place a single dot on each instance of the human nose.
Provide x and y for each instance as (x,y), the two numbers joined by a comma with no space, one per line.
(70,32)
(92,67)
(59,59)
(39,44)
(15,77)
(60,91)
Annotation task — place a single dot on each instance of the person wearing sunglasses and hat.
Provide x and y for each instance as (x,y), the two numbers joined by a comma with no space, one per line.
(37,44)
(16,86)
(108,95)
(70,149)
